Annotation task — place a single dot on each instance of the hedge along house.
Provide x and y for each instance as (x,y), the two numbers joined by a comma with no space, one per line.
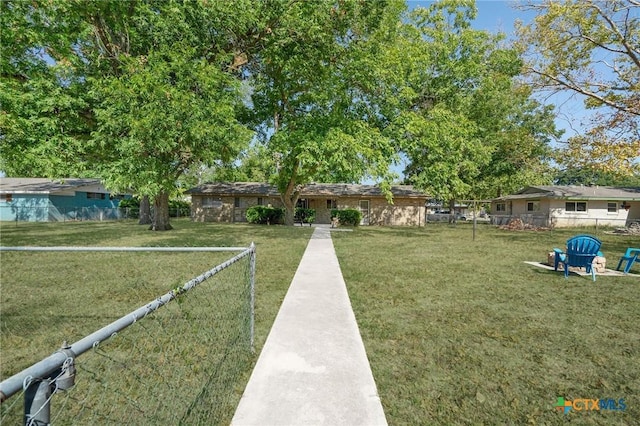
(567,206)
(51,200)
(228,202)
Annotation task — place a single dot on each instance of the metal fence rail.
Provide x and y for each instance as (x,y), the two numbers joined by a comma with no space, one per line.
(57,372)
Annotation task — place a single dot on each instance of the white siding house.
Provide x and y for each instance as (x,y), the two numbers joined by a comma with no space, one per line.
(567,206)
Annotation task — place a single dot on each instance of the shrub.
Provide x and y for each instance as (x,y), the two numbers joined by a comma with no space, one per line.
(265,215)
(129,202)
(129,208)
(305,215)
(179,208)
(350,217)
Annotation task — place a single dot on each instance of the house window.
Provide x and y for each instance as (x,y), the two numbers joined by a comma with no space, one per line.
(236,202)
(612,207)
(501,207)
(211,202)
(95,195)
(533,206)
(303,203)
(332,204)
(260,201)
(575,206)
(6,198)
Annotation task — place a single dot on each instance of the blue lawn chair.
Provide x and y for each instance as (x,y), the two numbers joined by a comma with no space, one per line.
(630,256)
(581,250)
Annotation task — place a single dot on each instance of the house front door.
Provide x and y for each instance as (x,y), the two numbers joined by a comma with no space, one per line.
(364,210)
(239,214)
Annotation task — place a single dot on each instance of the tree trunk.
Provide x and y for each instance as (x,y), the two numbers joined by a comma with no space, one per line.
(290,197)
(452,211)
(290,210)
(161,213)
(290,200)
(145,211)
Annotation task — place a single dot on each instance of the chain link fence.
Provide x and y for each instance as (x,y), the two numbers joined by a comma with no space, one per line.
(175,360)
(71,214)
(547,221)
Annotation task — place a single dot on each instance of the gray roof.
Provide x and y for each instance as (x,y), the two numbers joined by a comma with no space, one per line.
(235,188)
(574,192)
(310,190)
(41,185)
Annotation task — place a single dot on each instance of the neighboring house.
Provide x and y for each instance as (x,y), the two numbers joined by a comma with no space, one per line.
(228,202)
(51,200)
(565,206)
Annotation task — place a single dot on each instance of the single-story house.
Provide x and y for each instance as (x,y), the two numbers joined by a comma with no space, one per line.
(566,206)
(51,200)
(228,202)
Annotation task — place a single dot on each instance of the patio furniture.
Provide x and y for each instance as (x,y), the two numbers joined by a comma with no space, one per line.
(580,253)
(630,256)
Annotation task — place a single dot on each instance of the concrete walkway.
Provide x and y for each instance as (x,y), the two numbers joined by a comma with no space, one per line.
(313,369)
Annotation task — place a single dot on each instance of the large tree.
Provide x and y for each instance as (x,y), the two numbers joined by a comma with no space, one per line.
(311,98)
(136,92)
(469,129)
(591,50)
(170,112)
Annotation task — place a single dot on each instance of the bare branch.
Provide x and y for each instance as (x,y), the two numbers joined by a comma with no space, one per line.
(625,42)
(600,45)
(568,84)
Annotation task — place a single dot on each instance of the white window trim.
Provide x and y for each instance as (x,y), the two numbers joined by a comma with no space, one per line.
(576,211)
(211,203)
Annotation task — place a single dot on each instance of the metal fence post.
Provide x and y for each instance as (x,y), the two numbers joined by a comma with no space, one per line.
(252,280)
(37,407)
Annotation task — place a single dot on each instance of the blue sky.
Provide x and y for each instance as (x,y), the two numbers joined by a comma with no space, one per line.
(501,16)
(497,16)
(493,15)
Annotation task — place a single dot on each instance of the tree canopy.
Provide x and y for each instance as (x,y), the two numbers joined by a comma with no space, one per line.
(591,49)
(310,92)
(137,93)
(45,117)
(169,112)
(468,128)
(152,95)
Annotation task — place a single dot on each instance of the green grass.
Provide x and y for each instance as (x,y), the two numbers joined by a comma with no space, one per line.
(50,297)
(463,332)
(279,250)
(457,331)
